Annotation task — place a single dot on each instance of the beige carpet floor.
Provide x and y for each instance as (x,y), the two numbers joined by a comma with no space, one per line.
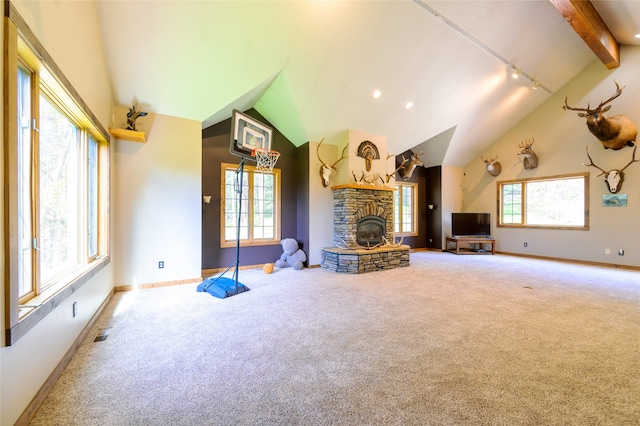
(449,340)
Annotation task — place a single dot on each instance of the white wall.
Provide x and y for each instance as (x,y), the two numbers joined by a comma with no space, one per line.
(320,198)
(26,365)
(561,138)
(321,201)
(158,206)
(452,196)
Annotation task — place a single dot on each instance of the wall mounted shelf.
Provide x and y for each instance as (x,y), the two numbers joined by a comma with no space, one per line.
(128,135)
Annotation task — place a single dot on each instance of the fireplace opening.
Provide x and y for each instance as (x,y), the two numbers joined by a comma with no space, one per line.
(370,230)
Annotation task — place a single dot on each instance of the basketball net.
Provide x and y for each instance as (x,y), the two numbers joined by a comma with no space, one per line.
(265,159)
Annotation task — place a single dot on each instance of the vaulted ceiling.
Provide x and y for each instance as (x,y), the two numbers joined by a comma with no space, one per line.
(311,67)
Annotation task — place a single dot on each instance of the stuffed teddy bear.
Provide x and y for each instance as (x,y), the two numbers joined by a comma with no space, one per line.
(292,256)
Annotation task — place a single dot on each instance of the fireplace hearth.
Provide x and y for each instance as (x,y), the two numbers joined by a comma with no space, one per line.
(363,214)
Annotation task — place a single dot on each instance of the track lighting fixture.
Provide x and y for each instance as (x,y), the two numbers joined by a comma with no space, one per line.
(515,71)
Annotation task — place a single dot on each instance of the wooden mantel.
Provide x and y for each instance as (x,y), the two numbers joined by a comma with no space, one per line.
(356,186)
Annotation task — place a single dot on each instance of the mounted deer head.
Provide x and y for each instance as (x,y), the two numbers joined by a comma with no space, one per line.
(325,169)
(401,166)
(614,132)
(530,157)
(494,168)
(406,171)
(613,178)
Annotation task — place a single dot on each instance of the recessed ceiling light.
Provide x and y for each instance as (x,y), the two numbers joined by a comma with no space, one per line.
(637,35)
(408,105)
(376,94)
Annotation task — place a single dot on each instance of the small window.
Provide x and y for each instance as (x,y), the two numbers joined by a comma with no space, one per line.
(260,208)
(405,204)
(559,202)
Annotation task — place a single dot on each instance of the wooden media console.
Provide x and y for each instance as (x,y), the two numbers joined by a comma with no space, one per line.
(471,245)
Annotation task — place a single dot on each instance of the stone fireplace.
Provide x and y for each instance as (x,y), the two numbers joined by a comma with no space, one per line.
(364,214)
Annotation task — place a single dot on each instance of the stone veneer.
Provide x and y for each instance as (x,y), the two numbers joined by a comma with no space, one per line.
(360,261)
(351,203)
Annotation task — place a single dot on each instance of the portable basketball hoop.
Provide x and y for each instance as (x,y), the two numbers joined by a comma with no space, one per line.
(250,140)
(265,158)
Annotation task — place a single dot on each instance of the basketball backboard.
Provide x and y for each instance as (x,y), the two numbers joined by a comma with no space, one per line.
(247,133)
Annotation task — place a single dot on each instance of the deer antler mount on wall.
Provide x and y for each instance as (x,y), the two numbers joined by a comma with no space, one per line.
(326,169)
(530,157)
(494,168)
(407,170)
(613,178)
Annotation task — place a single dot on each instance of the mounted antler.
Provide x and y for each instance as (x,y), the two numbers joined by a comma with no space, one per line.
(613,178)
(530,157)
(400,167)
(614,132)
(493,167)
(592,164)
(325,169)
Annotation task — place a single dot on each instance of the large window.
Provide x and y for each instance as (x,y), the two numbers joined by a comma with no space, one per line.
(558,202)
(260,208)
(56,163)
(405,205)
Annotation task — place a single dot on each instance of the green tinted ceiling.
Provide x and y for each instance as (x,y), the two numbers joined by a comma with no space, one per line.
(278,106)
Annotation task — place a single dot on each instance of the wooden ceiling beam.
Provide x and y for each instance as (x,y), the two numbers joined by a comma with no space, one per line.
(585,20)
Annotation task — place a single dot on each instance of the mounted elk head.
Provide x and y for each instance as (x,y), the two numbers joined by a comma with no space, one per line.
(613,178)
(530,157)
(325,169)
(406,171)
(494,168)
(614,132)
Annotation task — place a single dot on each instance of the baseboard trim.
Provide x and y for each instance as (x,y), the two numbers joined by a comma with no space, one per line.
(120,288)
(29,413)
(581,262)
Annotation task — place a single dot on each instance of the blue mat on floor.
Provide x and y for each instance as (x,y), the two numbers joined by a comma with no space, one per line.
(221,287)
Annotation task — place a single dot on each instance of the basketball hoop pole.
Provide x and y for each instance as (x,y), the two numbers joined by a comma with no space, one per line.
(221,290)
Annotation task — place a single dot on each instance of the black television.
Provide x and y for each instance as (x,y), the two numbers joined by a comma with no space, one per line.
(470,224)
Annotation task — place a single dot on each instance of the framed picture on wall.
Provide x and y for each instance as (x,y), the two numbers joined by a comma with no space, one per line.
(247,134)
(614,200)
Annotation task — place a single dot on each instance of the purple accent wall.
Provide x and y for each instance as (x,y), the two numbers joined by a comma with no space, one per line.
(429,192)
(215,150)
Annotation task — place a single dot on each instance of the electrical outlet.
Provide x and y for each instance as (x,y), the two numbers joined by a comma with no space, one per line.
(526,244)
(620,252)
(161,264)
(75,309)
(607,251)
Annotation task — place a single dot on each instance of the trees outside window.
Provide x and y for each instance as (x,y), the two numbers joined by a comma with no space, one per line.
(559,202)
